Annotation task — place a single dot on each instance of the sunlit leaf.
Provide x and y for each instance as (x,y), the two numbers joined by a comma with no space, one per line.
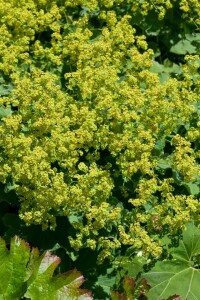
(28,274)
(179,276)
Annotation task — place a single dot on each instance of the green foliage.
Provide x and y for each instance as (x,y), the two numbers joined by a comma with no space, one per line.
(26,274)
(189,45)
(83,135)
(180,275)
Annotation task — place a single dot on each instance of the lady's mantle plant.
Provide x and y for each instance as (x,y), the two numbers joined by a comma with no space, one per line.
(89,132)
(163,280)
(166,276)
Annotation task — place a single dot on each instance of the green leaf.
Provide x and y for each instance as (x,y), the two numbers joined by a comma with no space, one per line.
(189,247)
(168,67)
(166,276)
(159,146)
(192,188)
(193,37)
(132,265)
(106,282)
(5,89)
(183,47)
(164,164)
(30,275)
(4,112)
(63,286)
(13,268)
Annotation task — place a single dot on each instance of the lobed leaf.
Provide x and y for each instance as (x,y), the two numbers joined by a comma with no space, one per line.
(30,275)
(178,276)
(183,47)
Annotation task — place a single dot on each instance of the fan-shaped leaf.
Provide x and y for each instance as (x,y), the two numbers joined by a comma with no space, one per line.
(28,274)
(178,276)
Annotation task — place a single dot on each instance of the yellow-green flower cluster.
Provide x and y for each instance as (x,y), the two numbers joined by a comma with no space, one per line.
(184,159)
(191,11)
(86,119)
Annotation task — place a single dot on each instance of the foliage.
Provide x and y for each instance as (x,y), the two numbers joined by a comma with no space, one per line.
(25,274)
(166,276)
(82,132)
(99,129)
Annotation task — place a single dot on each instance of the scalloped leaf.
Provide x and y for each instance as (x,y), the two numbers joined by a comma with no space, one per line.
(30,275)
(13,268)
(166,276)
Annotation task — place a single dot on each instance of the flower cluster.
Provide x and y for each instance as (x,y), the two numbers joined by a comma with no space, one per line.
(90,131)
